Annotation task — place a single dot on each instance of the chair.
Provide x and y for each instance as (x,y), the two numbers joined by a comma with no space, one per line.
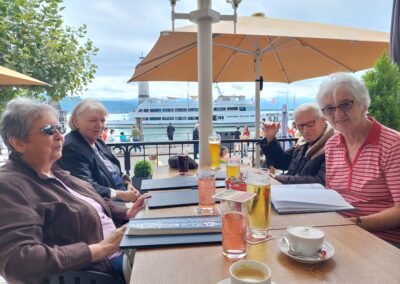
(85,277)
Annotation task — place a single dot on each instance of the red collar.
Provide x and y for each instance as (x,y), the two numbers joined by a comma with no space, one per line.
(373,134)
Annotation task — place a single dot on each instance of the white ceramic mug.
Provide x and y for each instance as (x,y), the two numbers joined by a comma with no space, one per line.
(250,272)
(306,241)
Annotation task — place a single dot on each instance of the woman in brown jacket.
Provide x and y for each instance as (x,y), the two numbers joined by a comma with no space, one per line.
(51,222)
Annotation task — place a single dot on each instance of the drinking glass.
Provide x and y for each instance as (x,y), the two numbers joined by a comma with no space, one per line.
(232,168)
(214,142)
(258,208)
(233,229)
(206,190)
(183,163)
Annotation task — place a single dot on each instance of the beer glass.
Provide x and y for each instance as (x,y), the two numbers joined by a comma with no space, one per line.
(259,208)
(232,168)
(233,229)
(206,190)
(214,142)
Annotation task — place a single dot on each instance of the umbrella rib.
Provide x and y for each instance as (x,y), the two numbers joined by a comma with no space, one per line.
(325,55)
(272,48)
(229,59)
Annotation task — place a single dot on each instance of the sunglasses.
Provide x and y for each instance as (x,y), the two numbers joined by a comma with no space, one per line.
(50,129)
(344,106)
(308,124)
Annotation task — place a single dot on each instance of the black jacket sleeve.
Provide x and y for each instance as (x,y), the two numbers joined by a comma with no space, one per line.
(274,154)
(79,166)
(319,177)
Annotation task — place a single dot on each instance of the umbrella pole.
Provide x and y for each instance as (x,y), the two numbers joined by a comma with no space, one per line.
(257,115)
(204,59)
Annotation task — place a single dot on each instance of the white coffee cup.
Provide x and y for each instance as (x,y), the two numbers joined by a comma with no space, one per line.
(250,272)
(306,241)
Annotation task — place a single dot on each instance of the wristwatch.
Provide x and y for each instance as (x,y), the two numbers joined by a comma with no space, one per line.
(358,221)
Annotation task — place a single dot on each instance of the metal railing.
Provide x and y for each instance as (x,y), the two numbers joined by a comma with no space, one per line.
(129,150)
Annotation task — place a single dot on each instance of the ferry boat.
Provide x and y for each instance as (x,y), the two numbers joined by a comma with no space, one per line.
(227,111)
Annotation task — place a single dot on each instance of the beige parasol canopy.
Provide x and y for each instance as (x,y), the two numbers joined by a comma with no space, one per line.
(290,51)
(9,77)
(277,50)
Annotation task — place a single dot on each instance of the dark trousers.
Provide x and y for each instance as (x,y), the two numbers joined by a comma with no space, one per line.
(195,150)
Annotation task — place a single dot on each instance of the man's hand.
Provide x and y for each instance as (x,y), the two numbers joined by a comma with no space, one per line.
(137,206)
(270,129)
(128,195)
(129,186)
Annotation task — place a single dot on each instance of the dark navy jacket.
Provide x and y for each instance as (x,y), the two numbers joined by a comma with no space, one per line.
(81,161)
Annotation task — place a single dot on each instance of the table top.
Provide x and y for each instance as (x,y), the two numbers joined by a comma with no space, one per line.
(360,257)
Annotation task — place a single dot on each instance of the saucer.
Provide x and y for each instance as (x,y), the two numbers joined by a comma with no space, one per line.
(330,251)
(228,281)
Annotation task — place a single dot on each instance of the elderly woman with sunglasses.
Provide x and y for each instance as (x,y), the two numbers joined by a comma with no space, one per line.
(51,222)
(86,156)
(363,160)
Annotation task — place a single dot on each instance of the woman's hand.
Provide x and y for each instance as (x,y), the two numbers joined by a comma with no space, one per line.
(130,187)
(270,129)
(107,246)
(137,206)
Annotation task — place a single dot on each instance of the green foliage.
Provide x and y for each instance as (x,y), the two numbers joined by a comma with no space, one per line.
(34,41)
(142,169)
(383,83)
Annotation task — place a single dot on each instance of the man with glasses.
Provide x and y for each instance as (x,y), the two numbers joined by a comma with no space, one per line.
(305,162)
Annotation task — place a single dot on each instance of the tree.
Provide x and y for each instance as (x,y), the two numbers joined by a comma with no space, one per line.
(383,83)
(34,41)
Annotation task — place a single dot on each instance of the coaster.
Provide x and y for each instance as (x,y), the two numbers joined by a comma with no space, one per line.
(253,241)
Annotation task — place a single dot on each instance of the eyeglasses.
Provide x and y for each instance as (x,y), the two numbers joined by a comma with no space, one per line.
(344,106)
(308,124)
(50,129)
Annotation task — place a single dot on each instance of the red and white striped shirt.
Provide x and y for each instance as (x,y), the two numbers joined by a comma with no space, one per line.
(372,182)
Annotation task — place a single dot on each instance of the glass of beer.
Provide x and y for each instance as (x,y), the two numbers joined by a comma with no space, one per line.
(232,168)
(258,208)
(215,146)
(233,229)
(206,190)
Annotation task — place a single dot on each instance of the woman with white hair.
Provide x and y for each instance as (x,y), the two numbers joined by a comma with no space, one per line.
(363,160)
(86,156)
(51,222)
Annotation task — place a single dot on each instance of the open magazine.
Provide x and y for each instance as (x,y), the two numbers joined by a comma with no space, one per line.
(306,198)
(174,225)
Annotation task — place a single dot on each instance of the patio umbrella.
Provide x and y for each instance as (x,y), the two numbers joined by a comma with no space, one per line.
(395,33)
(278,50)
(9,77)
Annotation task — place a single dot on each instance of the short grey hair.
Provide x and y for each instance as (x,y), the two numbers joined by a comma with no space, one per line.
(20,115)
(345,81)
(84,106)
(308,107)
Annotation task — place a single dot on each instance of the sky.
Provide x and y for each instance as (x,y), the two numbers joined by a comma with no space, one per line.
(123,30)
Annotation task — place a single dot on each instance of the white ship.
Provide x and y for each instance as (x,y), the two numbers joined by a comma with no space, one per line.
(227,111)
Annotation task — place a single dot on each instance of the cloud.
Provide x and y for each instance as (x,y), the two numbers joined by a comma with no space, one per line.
(123,29)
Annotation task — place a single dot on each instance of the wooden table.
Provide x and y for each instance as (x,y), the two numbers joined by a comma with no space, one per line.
(360,256)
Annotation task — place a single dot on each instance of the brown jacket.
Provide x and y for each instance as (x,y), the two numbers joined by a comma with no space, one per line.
(45,230)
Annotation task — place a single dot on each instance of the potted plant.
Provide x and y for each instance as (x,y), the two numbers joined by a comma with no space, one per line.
(142,171)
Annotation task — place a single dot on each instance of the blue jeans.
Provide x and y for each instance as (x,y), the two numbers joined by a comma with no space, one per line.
(195,150)
(117,265)
(136,140)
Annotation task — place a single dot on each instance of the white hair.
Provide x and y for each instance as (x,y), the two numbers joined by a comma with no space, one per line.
(308,107)
(345,81)
(84,106)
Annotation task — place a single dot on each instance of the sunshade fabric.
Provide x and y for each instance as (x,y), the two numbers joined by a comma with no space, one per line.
(10,77)
(295,51)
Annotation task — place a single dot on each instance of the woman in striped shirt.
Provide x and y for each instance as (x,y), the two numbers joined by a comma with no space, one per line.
(363,159)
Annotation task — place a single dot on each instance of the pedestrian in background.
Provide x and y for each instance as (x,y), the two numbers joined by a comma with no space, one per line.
(122,137)
(104,135)
(196,145)
(170,132)
(136,137)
